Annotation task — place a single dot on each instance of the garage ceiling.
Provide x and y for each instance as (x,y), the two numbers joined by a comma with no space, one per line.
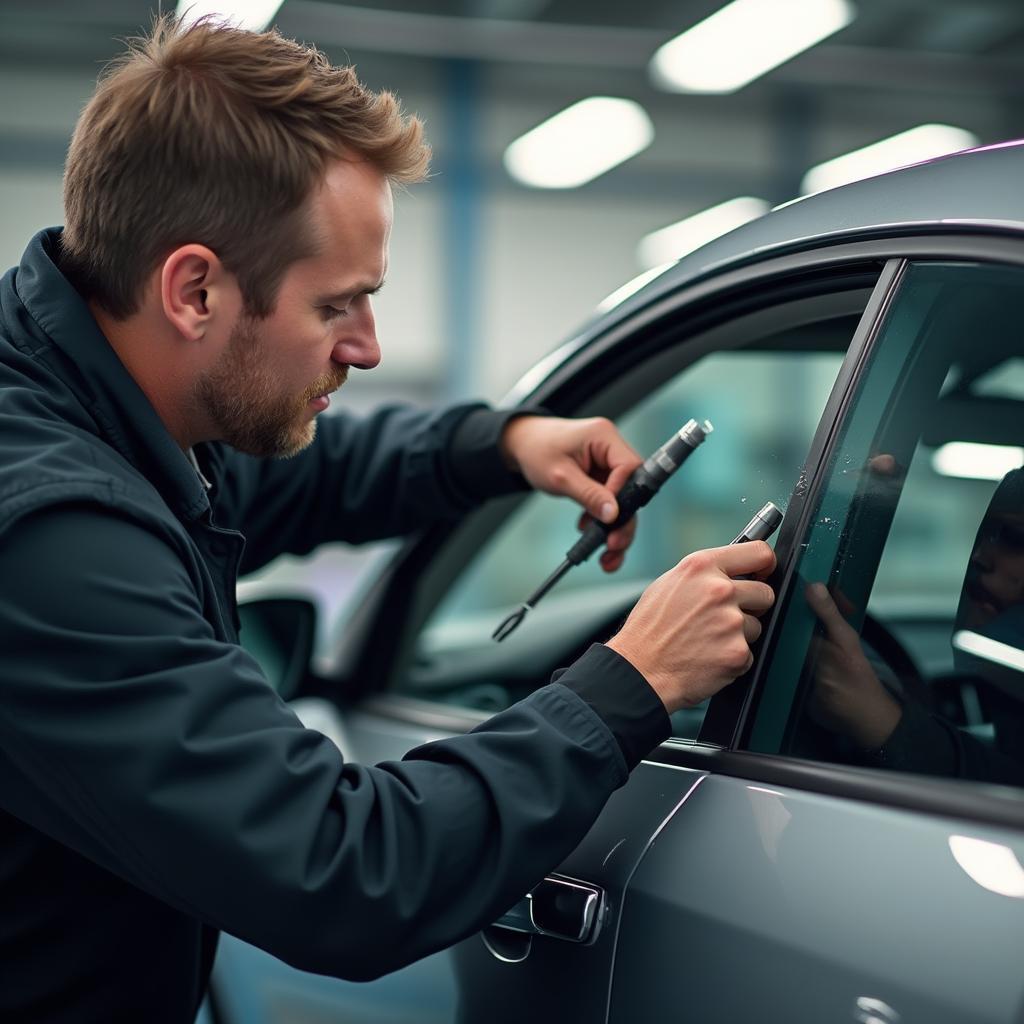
(900,63)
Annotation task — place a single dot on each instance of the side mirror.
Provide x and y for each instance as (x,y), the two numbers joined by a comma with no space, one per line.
(279,633)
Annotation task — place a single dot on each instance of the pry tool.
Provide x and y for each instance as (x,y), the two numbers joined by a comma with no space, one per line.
(638,490)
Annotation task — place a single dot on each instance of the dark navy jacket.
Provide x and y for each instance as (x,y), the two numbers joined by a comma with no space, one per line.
(153,787)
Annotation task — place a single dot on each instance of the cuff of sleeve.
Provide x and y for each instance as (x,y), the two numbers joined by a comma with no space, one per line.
(477,464)
(920,743)
(622,698)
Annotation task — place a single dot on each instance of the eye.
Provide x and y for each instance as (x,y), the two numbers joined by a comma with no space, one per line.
(332,312)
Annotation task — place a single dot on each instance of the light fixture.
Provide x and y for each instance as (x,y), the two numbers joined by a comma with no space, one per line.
(744,40)
(976,461)
(992,865)
(580,143)
(925,142)
(684,236)
(254,15)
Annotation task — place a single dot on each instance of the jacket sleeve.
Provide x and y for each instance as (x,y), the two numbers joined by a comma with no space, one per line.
(130,734)
(363,479)
(926,743)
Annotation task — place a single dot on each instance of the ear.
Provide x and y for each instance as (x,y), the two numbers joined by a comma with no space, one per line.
(197,294)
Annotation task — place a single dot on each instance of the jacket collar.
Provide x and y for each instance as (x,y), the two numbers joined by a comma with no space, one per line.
(90,367)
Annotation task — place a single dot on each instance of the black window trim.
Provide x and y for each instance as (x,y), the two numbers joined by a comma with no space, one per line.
(978,802)
(734,707)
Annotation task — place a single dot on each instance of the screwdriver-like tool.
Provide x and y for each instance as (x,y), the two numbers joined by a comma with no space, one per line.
(638,490)
(765,522)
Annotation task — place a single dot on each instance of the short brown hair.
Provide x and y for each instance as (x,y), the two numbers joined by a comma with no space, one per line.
(212,134)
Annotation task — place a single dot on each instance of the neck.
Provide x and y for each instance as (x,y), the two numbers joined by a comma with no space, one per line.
(147,356)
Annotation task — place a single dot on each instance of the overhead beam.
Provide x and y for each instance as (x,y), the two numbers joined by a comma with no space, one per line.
(31,31)
(539,42)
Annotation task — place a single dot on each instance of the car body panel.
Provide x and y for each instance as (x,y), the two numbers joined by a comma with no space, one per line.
(793,906)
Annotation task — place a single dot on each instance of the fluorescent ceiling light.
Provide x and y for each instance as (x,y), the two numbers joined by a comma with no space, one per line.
(992,865)
(925,142)
(976,461)
(580,143)
(632,287)
(686,235)
(744,40)
(254,15)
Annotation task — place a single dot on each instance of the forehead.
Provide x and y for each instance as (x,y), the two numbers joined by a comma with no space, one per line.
(350,211)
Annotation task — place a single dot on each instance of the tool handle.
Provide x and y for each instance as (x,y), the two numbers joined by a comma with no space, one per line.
(765,522)
(634,495)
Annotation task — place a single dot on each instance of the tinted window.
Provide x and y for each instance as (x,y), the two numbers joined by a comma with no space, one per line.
(764,403)
(902,642)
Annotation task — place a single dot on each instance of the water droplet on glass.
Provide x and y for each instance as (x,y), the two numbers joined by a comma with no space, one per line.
(743,499)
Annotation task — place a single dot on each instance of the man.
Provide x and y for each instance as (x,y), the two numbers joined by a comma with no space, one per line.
(228,206)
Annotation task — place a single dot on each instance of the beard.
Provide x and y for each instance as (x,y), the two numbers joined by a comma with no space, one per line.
(243,398)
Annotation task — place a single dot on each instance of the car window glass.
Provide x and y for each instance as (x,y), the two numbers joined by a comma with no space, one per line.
(902,641)
(764,406)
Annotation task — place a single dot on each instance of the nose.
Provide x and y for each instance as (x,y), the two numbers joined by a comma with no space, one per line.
(357,343)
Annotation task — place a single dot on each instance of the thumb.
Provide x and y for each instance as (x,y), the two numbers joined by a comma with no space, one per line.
(598,501)
(824,607)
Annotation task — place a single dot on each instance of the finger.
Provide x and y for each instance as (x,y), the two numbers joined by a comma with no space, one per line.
(620,539)
(613,459)
(751,628)
(570,480)
(623,469)
(753,596)
(883,465)
(611,561)
(825,608)
(743,559)
(843,603)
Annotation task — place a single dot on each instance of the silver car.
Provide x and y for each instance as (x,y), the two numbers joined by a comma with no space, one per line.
(839,835)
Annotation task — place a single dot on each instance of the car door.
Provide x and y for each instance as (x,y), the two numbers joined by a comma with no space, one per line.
(778,330)
(832,865)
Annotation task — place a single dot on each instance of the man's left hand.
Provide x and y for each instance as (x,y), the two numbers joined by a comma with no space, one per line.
(586,460)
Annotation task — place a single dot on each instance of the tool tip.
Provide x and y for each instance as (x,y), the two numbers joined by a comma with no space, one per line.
(509,624)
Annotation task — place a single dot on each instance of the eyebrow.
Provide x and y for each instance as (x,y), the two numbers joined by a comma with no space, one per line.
(350,293)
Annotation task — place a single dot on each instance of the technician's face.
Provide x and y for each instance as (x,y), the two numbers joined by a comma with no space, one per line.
(995,579)
(268,385)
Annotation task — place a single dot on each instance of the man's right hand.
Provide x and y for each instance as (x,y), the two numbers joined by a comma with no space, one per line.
(690,633)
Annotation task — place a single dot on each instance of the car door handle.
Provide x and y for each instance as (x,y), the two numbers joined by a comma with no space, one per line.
(563,908)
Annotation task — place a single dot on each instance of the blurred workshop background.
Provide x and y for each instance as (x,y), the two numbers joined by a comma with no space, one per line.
(506,251)
(578,144)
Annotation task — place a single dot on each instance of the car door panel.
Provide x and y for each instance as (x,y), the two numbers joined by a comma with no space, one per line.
(761,903)
(560,980)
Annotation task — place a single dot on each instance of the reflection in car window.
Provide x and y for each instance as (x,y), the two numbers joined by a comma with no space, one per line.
(902,641)
(755,454)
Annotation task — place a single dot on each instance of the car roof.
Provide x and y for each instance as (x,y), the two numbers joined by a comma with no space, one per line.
(982,187)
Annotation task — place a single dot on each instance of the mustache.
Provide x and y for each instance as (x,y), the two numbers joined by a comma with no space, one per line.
(326,383)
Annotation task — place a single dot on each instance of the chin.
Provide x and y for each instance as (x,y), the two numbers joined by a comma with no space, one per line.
(296,442)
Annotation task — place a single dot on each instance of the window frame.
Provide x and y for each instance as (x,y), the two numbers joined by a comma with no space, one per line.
(720,747)
(397,596)
(360,658)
